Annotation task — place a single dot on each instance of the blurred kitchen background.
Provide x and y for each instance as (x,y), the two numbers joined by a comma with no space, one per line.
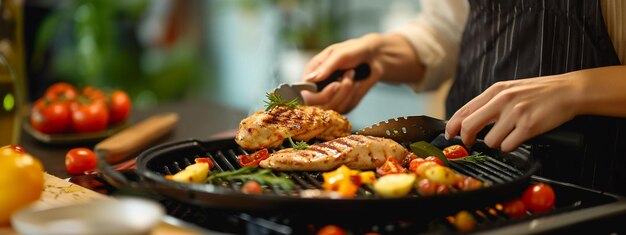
(228,51)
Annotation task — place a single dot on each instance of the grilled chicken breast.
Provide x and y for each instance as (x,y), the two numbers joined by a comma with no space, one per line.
(269,129)
(355,151)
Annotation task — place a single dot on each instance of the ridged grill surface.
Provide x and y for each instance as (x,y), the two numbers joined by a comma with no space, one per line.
(491,171)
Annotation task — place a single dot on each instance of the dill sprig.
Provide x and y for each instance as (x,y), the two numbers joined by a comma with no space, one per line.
(275,100)
(475,157)
(300,145)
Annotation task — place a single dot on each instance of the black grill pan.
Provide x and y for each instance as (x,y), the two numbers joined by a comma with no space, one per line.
(509,174)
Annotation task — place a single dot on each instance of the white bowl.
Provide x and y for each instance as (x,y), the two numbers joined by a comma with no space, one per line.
(119,216)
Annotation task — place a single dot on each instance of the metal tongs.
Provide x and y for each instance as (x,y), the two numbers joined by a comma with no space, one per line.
(290,91)
(406,130)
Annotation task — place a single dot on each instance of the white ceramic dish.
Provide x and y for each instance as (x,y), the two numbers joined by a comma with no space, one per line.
(119,216)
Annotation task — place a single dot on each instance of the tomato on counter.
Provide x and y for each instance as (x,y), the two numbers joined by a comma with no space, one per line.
(119,105)
(79,160)
(50,116)
(89,115)
(21,180)
(61,91)
(539,198)
(63,109)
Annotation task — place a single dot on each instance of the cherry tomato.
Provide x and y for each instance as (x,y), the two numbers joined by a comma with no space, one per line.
(89,115)
(455,151)
(434,159)
(61,91)
(426,187)
(391,166)
(331,230)
(254,158)
(416,163)
(251,187)
(93,93)
(539,198)
(50,116)
(79,160)
(120,106)
(466,183)
(514,208)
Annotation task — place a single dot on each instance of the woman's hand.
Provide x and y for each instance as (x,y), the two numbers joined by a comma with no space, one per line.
(344,95)
(519,109)
(387,55)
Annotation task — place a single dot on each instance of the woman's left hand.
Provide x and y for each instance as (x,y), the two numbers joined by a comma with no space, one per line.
(519,109)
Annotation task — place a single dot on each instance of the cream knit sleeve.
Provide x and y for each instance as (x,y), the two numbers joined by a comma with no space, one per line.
(436,36)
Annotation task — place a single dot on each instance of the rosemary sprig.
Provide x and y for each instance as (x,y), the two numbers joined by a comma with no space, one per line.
(275,100)
(263,176)
(475,157)
(300,145)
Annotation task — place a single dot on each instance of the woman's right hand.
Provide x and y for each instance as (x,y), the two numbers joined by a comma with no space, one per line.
(344,95)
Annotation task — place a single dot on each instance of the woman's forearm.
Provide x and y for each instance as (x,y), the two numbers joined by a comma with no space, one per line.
(602,91)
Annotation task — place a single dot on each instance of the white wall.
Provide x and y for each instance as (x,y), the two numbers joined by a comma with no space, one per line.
(250,59)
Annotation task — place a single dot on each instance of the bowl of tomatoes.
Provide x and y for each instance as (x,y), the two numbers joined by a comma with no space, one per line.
(68,114)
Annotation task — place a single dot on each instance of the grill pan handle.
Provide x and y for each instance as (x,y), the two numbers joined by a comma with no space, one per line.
(129,141)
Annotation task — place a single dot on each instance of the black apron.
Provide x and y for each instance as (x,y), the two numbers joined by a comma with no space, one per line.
(506,40)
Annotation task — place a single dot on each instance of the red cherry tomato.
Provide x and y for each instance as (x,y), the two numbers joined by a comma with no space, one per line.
(93,93)
(331,230)
(89,115)
(251,187)
(254,158)
(416,163)
(455,151)
(79,160)
(426,187)
(61,91)
(466,183)
(391,166)
(205,160)
(434,159)
(120,106)
(539,198)
(50,116)
(514,208)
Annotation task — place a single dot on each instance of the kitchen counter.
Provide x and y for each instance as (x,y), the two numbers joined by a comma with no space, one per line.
(198,119)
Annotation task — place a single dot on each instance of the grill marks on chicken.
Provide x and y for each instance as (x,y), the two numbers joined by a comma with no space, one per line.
(355,151)
(269,129)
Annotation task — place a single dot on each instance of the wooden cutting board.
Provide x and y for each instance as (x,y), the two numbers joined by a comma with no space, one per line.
(58,192)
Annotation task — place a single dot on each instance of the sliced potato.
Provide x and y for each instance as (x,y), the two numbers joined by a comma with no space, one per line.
(394,185)
(194,173)
(441,175)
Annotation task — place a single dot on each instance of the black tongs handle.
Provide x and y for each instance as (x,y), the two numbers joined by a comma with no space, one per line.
(361,72)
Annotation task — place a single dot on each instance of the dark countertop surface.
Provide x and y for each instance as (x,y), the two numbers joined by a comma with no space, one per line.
(198,119)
